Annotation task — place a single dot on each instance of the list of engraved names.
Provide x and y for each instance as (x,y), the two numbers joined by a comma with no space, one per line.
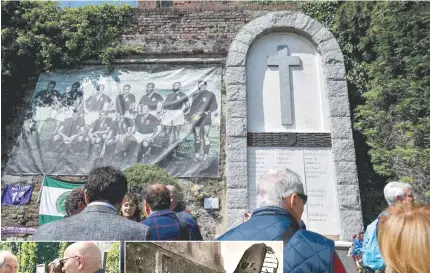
(315,168)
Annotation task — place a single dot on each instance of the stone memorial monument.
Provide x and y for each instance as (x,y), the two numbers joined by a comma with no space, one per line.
(287,106)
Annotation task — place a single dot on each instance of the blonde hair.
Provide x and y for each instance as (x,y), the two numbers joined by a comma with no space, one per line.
(404,238)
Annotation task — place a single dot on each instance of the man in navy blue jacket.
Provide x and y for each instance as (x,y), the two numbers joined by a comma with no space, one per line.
(195,234)
(160,219)
(280,205)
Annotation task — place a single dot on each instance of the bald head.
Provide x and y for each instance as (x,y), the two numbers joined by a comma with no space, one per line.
(8,262)
(85,257)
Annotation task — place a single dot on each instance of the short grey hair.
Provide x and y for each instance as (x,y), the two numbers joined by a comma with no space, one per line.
(395,189)
(6,254)
(277,184)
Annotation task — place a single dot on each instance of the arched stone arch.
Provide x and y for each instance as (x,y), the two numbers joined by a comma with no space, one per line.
(335,84)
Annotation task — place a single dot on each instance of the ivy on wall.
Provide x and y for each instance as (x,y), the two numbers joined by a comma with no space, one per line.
(40,36)
(385,47)
(395,117)
(51,37)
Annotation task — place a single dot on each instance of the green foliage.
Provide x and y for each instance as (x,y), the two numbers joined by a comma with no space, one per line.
(62,248)
(47,252)
(351,26)
(40,36)
(112,262)
(396,116)
(322,11)
(28,257)
(31,253)
(140,175)
(6,246)
(51,37)
(385,48)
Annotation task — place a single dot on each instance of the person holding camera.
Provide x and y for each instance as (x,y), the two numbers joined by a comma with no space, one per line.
(80,257)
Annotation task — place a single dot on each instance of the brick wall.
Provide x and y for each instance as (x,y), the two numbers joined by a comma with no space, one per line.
(214,5)
(190,32)
(184,30)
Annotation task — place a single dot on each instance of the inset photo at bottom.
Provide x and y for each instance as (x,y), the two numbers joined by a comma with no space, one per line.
(203,257)
(59,257)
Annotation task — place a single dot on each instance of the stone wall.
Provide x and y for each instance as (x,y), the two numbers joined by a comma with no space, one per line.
(335,84)
(173,257)
(23,215)
(26,215)
(191,31)
(208,253)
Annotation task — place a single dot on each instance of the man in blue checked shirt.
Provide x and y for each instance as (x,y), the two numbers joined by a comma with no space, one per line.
(162,221)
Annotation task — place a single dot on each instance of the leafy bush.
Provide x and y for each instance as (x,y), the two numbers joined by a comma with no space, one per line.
(62,248)
(40,36)
(385,48)
(396,115)
(28,257)
(112,261)
(140,175)
(43,34)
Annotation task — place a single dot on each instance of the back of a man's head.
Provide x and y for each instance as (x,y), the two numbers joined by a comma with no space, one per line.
(8,262)
(88,253)
(75,202)
(157,196)
(395,190)
(106,184)
(274,185)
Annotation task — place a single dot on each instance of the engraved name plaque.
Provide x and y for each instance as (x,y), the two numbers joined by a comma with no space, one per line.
(314,166)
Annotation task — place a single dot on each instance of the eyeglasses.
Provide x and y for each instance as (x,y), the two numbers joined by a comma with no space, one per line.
(60,262)
(302,196)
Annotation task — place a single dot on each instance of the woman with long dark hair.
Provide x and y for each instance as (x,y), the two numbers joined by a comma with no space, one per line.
(130,208)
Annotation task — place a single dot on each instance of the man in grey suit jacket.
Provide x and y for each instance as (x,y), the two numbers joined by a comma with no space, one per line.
(99,221)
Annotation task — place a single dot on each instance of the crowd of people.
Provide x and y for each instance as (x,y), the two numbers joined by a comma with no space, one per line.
(105,199)
(126,127)
(397,242)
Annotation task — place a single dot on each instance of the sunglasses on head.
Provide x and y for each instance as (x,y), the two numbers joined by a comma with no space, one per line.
(304,197)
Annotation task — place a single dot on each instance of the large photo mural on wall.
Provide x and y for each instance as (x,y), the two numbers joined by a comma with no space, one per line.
(150,114)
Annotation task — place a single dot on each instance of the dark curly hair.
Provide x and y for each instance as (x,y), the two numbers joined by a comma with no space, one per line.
(131,197)
(157,196)
(73,200)
(106,183)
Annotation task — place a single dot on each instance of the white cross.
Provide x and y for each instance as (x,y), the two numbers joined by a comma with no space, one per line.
(283,61)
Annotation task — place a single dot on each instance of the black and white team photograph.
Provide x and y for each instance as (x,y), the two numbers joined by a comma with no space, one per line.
(88,118)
